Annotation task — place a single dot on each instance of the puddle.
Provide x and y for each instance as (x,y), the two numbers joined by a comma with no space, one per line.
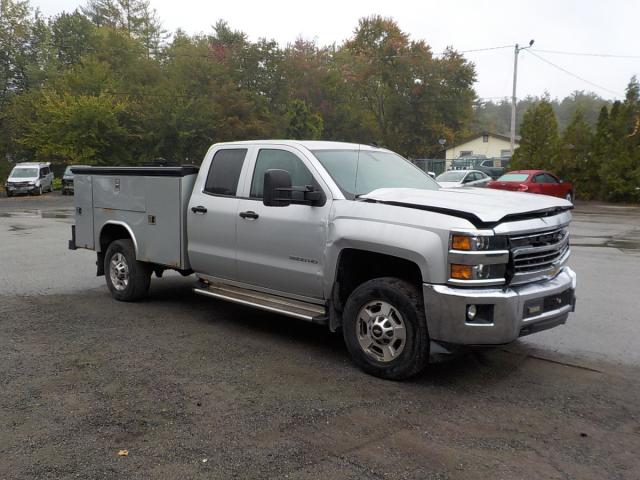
(626,243)
(36,213)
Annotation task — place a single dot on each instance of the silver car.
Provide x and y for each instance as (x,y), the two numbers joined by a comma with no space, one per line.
(463,178)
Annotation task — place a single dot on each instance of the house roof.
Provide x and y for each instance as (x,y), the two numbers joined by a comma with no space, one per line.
(500,136)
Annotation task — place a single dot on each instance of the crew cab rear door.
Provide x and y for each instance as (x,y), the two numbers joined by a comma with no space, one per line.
(213,211)
(281,249)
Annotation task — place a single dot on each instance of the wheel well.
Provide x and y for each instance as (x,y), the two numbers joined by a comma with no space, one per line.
(358,266)
(111,232)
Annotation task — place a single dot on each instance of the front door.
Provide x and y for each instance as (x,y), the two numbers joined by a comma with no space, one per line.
(282,248)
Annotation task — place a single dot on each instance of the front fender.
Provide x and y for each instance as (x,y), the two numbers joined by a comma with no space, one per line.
(426,249)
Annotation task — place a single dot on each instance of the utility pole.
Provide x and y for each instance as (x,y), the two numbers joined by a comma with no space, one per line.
(513,96)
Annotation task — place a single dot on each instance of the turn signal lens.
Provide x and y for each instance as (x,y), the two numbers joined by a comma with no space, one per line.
(460,242)
(461,272)
(522,187)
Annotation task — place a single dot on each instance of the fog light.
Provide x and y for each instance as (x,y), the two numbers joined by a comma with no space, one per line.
(472,310)
(461,272)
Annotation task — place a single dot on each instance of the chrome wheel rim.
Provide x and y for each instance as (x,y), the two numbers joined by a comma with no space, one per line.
(381,331)
(119,271)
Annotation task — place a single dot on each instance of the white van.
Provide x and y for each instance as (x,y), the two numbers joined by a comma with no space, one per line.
(30,178)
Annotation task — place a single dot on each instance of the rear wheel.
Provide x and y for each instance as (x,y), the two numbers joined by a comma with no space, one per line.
(569,197)
(127,278)
(385,329)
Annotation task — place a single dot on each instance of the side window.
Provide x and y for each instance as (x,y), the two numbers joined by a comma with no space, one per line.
(538,178)
(550,178)
(224,171)
(279,159)
(43,172)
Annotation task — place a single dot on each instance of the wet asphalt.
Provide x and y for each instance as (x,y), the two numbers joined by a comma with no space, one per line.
(194,388)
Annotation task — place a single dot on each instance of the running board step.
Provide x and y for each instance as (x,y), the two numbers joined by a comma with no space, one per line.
(264,301)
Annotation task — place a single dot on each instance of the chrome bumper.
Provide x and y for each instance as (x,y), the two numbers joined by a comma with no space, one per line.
(507,313)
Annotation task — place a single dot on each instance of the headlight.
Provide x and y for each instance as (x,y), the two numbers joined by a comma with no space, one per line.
(470,242)
(477,258)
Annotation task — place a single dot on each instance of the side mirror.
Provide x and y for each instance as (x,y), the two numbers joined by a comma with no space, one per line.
(277,188)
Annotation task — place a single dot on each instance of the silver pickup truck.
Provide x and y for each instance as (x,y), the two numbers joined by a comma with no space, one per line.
(349,236)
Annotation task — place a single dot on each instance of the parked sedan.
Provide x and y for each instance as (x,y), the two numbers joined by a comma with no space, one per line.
(534,181)
(463,178)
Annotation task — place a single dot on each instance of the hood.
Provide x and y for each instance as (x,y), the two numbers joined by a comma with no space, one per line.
(449,184)
(483,207)
(22,179)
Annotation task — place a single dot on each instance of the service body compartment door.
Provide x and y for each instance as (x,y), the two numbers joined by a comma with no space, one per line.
(83,199)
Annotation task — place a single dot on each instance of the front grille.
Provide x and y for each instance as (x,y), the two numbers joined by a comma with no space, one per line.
(537,255)
(19,184)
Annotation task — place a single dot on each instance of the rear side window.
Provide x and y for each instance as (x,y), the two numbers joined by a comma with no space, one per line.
(514,177)
(282,160)
(224,171)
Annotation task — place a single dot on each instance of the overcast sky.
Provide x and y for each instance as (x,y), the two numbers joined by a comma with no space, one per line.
(587,26)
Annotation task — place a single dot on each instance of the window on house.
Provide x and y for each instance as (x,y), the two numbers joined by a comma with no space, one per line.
(466,153)
(505,153)
(485,138)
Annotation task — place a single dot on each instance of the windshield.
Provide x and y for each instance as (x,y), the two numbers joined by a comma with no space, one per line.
(67,171)
(358,172)
(451,176)
(513,177)
(24,172)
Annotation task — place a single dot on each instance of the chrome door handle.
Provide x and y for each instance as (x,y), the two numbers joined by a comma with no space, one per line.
(250,214)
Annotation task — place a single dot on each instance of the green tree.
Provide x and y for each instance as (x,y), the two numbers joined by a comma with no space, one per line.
(303,123)
(577,161)
(618,148)
(540,144)
(78,129)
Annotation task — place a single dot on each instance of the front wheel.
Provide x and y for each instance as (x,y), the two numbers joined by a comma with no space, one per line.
(385,329)
(127,278)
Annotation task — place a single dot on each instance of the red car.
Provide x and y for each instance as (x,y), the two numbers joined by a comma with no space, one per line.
(534,181)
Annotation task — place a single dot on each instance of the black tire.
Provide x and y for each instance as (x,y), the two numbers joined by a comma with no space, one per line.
(9,194)
(407,300)
(139,273)
(569,197)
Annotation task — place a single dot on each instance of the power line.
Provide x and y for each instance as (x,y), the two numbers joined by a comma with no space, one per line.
(585,54)
(617,94)
(485,49)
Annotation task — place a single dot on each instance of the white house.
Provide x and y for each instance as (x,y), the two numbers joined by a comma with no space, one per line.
(491,145)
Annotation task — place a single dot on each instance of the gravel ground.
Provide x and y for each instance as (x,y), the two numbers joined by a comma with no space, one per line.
(194,388)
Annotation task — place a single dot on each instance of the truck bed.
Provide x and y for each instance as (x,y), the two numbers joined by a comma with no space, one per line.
(150,202)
